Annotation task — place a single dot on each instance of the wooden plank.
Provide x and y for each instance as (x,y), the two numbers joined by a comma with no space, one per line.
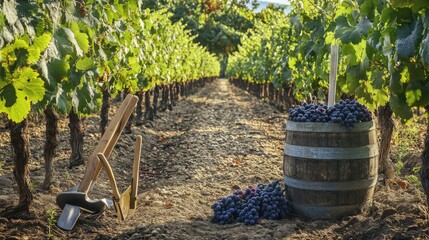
(136,171)
(336,168)
(107,142)
(333,75)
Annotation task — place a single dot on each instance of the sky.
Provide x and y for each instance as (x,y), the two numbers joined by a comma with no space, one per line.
(277,1)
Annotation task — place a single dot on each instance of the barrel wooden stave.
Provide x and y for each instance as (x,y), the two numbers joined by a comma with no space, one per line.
(328,198)
(343,140)
(319,170)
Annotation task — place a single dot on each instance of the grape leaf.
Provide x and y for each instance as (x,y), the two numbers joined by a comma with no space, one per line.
(395,85)
(58,69)
(377,78)
(20,109)
(29,83)
(10,11)
(81,38)
(39,44)
(407,38)
(413,93)
(84,64)
(381,97)
(7,35)
(373,45)
(348,33)
(400,107)
(19,43)
(367,8)
(42,41)
(16,97)
(405,75)
(416,71)
(84,98)
(354,74)
(62,102)
(424,98)
(387,46)
(67,43)
(415,5)
(387,15)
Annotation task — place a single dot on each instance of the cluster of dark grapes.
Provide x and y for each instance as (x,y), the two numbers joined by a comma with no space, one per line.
(273,203)
(347,112)
(249,206)
(226,210)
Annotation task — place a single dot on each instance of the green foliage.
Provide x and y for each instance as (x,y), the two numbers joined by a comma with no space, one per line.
(414,179)
(63,53)
(393,46)
(408,36)
(287,50)
(398,166)
(20,84)
(351,29)
(216,25)
(384,55)
(51,218)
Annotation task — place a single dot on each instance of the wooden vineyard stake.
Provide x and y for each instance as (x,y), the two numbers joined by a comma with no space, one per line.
(333,75)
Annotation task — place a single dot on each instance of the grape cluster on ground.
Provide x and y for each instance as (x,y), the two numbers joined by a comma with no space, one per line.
(347,112)
(249,206)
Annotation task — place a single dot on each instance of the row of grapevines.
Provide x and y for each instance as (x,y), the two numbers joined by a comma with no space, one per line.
(286,50)
(384,54)
(63,53)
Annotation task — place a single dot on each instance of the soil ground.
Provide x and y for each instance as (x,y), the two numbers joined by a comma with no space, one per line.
(213,142)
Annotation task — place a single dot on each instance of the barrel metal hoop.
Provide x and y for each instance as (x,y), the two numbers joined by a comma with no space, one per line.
(330,186)
(328,127)
(330,153)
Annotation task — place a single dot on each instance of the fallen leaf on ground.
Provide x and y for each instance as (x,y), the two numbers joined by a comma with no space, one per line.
(236,162)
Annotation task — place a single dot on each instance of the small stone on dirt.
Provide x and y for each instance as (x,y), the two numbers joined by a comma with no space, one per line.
(6,182)
(388,212)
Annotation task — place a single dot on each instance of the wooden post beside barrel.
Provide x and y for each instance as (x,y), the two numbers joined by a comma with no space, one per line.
(329,171)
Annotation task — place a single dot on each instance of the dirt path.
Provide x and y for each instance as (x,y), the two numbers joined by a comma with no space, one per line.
(220,140)
(213,142)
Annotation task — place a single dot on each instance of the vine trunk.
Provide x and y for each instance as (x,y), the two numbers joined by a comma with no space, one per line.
(21,156)
(386,126)
(76,139)
(105,106)
(424,170)
(51,144)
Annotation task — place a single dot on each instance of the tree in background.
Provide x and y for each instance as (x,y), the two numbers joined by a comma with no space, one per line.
(218,25)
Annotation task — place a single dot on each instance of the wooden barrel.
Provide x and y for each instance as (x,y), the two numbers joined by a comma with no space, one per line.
(329,171)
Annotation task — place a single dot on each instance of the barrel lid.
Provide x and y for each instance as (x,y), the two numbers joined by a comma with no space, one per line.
(328,127)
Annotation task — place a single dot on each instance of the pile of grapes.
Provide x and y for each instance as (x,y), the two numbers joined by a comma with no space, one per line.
(249,206)
(347,112)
